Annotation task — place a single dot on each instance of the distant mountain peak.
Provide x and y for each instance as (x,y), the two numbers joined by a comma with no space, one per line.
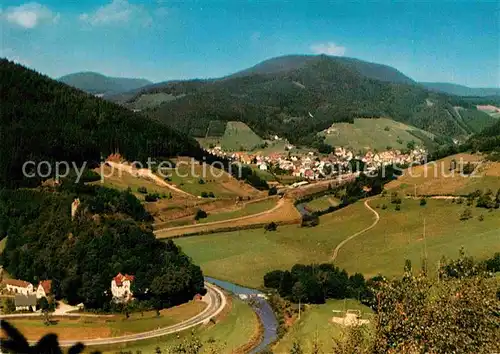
(461,90)
(285,63)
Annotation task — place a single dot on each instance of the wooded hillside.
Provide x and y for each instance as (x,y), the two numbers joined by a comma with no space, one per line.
(45,120)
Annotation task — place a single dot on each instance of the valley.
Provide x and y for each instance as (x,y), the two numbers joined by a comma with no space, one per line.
(181,191)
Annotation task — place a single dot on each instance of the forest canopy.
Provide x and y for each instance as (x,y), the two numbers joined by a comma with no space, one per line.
(108,235)
(45,120)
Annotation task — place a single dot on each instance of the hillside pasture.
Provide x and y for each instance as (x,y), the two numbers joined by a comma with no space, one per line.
(238,136)
(244,257)
(399,236)
(122,180)
(322,203)
(195,178)
(375,134)
(436,178)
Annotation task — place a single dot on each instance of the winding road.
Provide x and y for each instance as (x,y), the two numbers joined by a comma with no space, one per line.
(216,303)
(340,245)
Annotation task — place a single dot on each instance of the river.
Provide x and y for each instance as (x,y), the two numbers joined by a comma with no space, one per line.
(262,309)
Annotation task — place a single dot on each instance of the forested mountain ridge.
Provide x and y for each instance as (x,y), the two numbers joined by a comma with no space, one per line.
(45,120)
(292,62)
(96,83)
(461,90)
(299,98)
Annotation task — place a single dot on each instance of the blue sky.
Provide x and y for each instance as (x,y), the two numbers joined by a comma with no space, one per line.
(449,41)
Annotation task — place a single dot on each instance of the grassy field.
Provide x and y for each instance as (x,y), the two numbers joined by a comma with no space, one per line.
(102,327)
(283,212)
(322,203)
(232,331)
(374,134)
(316,322)
(221,184)
(238,135)
(245,256)
(248,209)
(399,236)
(123,180)
(436,178)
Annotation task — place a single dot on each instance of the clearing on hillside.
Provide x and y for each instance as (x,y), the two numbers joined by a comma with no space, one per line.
(237,136)
(438,177)
(376,134)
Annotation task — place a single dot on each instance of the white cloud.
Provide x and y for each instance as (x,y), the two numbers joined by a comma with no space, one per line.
(30,15)
(116,12)
(329,48)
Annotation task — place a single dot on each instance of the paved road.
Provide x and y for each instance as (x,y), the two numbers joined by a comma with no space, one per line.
(340,245)
(216,303)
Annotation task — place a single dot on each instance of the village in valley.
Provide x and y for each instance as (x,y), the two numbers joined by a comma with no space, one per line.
(311,165)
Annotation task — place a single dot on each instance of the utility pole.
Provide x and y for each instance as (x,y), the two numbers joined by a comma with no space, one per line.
(425,243)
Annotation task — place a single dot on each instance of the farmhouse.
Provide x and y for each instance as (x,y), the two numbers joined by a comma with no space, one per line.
(121,287)
(18,286)
(44,289)
(25,302)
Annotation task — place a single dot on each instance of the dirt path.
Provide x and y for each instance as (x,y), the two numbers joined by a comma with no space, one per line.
(145,173)
(340,245)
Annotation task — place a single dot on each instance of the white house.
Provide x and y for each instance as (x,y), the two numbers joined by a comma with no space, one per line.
(18,286)
(263,167)
(44,289)
(121,287)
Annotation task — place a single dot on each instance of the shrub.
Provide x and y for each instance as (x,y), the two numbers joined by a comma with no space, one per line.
(152,197)
(211,195)
(384,206)
(423,202)
(272,191)
(142,190)
(201,181)
(481,218)
(200,214)
(204,194)
(272,226)
(398,207)
(466,215)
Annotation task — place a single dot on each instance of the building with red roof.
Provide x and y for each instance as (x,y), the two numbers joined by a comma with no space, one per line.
(121,287)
